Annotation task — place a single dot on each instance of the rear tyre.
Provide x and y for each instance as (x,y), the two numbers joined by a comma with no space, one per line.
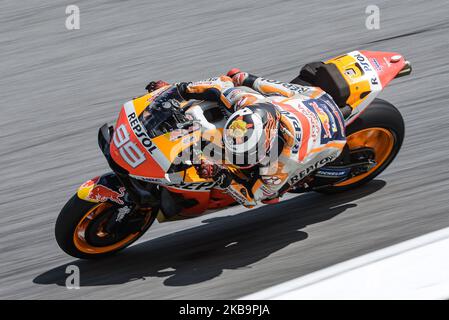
(380,127)
(81,229)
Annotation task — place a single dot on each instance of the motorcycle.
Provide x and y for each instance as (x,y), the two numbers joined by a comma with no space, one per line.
(146,183)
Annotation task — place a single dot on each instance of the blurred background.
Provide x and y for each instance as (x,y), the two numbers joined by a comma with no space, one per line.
(59,86)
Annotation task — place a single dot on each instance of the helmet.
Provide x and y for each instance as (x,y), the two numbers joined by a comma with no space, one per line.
(250,133)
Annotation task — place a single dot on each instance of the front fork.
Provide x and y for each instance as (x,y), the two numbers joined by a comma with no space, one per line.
(108,188)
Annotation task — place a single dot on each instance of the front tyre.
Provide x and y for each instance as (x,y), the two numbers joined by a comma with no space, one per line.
(83,230)
(381,128)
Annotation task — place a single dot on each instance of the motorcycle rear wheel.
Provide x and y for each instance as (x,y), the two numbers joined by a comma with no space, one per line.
(381,128)
(80,229)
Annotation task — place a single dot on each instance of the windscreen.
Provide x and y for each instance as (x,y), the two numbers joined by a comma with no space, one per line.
(163,114)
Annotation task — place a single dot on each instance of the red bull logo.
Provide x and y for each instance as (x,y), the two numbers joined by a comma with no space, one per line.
(90,183)
(324,118)
(102,194)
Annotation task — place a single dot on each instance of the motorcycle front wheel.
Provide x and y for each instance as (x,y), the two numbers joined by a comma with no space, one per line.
(83,229)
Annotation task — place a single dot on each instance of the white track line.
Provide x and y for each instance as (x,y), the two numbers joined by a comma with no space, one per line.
(414,269)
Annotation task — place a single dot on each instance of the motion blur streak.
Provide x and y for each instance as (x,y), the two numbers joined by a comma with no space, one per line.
(58,86)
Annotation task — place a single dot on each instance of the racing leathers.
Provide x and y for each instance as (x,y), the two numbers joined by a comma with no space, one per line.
(311,134)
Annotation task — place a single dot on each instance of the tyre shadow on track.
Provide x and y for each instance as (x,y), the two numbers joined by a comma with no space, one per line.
(202,253)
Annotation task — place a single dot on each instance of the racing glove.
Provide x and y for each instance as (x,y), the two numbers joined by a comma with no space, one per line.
(155,85)
(240,78)
(209,170)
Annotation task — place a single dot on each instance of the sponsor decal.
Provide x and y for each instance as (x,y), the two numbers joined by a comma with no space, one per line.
(376,64)
(362,61)
(304,173)
(337,115)
(298,130)
(149,179)
(122,212)
(90,183)
(208,82)
(324,118)
(140,133)
(272,180)
(144,139)
(267,192)
(289,86)
(233,94)
(315,126)
(367,65)
(350,72)
(194,186)
(102,194)
(333,172)
(237,195)
(128,149)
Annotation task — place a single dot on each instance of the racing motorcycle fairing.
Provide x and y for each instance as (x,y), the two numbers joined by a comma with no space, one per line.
(194,195)
(146,157)
(110,212)
(365,74)
(147,142)
(143,155)
(196,198)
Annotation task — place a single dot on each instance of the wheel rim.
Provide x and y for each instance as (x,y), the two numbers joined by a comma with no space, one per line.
(381,140)
(79,235)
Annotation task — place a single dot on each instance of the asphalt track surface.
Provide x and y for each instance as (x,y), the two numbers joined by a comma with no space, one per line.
(58,87)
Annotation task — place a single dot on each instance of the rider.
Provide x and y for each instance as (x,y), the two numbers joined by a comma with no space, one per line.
(284,131)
